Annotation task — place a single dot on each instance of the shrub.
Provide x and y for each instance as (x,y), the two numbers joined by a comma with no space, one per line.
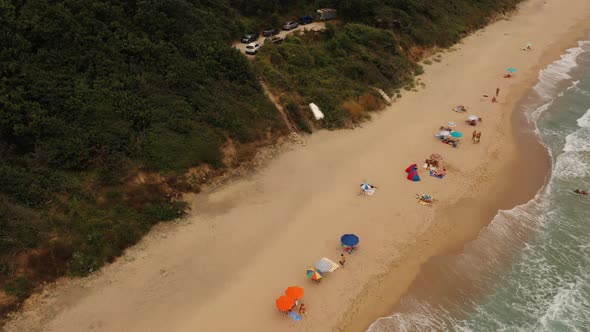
(370,102)
(19,287)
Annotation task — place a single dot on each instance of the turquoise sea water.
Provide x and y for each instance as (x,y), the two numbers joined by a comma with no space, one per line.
(546,242)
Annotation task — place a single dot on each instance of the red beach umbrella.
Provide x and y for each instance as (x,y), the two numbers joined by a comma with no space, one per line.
(285,303)
(295,292)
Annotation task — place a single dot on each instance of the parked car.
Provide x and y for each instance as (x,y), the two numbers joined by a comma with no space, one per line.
(303,20)
(274,39)
(270,32)
(252,48)
(290,25)
(248,38)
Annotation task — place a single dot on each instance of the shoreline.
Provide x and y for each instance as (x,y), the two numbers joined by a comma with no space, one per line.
(479,208)
(248,241)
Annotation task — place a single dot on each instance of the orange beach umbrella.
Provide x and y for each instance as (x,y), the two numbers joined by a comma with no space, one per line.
(295,292)
(285,303)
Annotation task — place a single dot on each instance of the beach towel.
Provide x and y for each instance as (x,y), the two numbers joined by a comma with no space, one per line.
(294,316)
(440,176)
(424,203)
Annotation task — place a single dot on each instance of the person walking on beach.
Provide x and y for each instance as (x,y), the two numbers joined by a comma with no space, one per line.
(342,259)
(497,91)
(478,137)
(473,136)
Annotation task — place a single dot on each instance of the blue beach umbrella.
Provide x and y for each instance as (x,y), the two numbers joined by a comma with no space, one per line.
(511,70)
(366,186)
(456,134)
(349,240)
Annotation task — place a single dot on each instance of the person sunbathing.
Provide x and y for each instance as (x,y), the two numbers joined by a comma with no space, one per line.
(450,141)
(471,122)
(440,172)
(459,108)
(425,198)
(581,192)
(507,76)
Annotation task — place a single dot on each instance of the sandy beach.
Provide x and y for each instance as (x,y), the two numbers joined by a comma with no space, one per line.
(222,268)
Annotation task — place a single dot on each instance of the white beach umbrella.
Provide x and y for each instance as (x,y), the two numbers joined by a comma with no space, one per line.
(365,186)
(473,117)
(444,133)
(326,265)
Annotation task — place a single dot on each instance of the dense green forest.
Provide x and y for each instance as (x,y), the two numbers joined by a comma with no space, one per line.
(95,94)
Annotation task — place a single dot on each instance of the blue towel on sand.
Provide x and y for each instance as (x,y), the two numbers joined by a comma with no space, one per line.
(294,316)
(436,176)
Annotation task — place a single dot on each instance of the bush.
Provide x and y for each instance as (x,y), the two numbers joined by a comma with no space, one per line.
(19,287)
(165,211)
(295,113)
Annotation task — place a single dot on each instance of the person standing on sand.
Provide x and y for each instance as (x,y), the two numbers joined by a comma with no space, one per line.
(342,259)
(473,136)
(497,91)
(478,137)
(302,310)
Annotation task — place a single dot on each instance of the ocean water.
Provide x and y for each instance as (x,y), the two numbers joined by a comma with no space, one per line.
(529,270)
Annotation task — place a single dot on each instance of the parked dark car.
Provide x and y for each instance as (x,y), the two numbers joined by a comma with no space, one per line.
(273,39)
(270,32)
(303,20)
(251,37)
(290,25)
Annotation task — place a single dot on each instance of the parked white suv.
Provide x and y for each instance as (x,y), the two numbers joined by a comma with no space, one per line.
(252,48)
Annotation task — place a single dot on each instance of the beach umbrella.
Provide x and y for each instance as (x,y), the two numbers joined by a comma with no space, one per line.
(325,265)
(285,303)
(412,167)
(473,118)
(456,134)
(511,70)
(436,156)
(295,292)
(451,124)
(444,133)
(365,186)
(313,274)
(413,176)
(349,240)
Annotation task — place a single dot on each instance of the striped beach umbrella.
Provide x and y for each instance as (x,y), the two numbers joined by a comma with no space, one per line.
(325,265)
(313,274)
(365,186)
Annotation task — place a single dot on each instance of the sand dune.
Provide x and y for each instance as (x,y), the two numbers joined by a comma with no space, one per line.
(223,267)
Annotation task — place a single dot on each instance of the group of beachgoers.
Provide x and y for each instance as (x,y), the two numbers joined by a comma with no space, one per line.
(290,304)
